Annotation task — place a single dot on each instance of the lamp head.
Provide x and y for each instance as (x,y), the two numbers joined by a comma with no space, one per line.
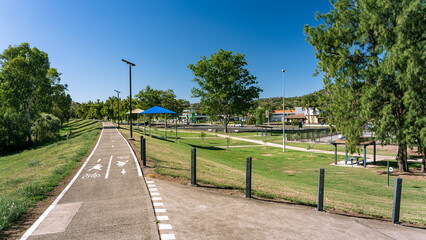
(282,70)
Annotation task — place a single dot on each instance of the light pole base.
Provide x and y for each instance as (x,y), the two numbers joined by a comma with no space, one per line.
(131,139)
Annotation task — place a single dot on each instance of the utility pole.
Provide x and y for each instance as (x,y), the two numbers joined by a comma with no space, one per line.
(283,113)
(131,110)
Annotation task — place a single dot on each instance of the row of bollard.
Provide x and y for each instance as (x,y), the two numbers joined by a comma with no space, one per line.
(320,206)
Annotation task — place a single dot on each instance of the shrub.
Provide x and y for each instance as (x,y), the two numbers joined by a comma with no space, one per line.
(11,209)
(46,127)
(251,120)
(202,135)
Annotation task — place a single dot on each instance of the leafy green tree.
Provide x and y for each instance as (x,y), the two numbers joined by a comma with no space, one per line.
(25,70)
(310,102)
(373,54)
(46,127)
(108,108)
(149,97)
(60,100)
(73,109)
(225,86)
(261,115)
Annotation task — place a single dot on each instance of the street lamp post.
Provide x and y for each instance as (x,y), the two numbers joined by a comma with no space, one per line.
(131,110)
(118,98)
(283,114)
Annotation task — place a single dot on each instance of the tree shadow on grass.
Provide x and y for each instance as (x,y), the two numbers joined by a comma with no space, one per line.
(205,147)
(394,165)
(59,140)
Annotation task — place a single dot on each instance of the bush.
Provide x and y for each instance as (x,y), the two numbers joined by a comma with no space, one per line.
(251,120)
(202,135)
(46,127)
(11,209)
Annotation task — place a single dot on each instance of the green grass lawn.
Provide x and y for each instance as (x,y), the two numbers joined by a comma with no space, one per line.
(195,139)
(293,176)
(26,176)
(278,138)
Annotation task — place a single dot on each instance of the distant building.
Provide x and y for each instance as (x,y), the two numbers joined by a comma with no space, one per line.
(187,116)
(312,115)
(304,115)
(277,115)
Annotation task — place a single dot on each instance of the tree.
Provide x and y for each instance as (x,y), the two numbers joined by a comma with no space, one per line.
(310,102)
(73,109)
(24,71)
(225,86)
(60,101)
(373,54)
(149,97)
(47,127)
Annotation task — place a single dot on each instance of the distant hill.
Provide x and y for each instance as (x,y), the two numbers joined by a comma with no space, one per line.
(290,102)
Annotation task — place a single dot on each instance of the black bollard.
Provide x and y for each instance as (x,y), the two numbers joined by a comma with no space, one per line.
(141,148)
(321,190)
(193,167)
(396,200)
(143,151)
(248,178)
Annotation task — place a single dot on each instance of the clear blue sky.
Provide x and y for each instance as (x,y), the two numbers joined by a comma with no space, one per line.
(86,41)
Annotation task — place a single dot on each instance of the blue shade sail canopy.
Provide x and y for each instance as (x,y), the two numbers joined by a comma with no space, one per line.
(157,110)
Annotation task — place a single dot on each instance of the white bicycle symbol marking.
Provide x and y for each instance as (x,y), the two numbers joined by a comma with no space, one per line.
(91,175)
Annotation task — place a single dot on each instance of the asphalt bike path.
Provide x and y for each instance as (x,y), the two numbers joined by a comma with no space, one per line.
(107,198)
(187,212)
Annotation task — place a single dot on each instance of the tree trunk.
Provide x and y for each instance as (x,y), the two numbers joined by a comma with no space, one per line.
(402,157)
(30,142)
(225,124)
(424,161)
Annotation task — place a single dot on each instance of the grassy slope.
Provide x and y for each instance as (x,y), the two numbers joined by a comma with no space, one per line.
(293,176)
(26,176)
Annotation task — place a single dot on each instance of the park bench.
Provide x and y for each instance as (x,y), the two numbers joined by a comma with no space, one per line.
(356,158)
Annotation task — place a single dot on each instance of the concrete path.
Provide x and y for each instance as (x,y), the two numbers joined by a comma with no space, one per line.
(340,163)
(107,199)
(186,212)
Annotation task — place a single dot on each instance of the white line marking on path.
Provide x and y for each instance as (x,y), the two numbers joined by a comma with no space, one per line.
(123,171)
(99,160)
(109,166)
(138,167)
(161,226)
(162,218)
(49,209)
(167,236)
(112,145)
(164,226)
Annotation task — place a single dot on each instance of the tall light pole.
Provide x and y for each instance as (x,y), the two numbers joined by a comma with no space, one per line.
(283,114)
(118,98)
(131,110)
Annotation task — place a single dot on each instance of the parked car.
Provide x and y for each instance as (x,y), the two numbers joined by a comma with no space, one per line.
(238,125)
